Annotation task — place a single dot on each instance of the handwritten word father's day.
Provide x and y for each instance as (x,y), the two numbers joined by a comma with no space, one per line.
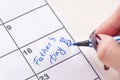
(52,56)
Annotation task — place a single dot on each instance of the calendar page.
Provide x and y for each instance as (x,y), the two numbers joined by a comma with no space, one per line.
(36,45)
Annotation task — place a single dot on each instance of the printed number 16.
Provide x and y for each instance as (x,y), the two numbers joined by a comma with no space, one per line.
(27,51)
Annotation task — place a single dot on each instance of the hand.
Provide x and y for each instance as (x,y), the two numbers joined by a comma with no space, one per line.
(108,49)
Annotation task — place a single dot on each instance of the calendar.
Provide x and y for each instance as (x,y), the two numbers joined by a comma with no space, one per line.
(36,45)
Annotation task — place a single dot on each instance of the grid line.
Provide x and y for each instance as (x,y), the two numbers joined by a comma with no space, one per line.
(31,42)
(42,37)
(24,14)
(8,53)
(97,78)
(72,38)
(54,65)
(19,49)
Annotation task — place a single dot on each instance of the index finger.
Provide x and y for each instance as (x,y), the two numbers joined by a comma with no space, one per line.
(111,26)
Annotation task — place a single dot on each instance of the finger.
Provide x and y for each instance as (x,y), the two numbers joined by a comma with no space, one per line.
(111,26)
(109,52)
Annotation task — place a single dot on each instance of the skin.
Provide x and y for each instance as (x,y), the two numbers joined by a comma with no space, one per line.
(108,49)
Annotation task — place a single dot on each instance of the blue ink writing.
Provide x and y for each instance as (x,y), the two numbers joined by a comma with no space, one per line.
(43,53)
(67,42)
(52,39)
(53,57)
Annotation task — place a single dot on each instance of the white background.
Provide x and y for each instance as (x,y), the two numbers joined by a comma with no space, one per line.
(83,16)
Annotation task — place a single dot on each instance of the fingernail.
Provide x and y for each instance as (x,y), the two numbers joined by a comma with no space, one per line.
(106,68)
(95,41)
(98,39)
(92,33)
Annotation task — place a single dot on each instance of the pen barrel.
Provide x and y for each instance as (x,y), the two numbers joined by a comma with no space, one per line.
(117,38)
(84,43)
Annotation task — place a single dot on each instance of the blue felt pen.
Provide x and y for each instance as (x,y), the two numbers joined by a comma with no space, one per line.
(92,42)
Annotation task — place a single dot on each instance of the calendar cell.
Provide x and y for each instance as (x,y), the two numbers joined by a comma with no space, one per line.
(61,72)
(10,9)
(34,26)
(14,67)
(6,43)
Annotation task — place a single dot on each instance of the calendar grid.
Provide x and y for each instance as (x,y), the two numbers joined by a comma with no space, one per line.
(42,37)
(55,65)
(72,39)
(24,14)
(19,48)
(8,53)
(97,78)
(30,43)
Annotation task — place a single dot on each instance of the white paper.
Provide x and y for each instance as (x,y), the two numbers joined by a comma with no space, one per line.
(36,45)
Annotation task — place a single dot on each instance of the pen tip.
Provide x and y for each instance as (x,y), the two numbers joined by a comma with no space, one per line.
(74,44)
(83,43)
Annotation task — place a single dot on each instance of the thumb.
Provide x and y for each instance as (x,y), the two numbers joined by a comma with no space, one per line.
(109,51)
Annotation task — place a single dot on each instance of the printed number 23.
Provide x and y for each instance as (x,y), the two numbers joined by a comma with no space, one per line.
(44,77)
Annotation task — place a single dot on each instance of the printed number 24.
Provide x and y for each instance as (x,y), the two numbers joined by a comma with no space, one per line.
(44,77)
